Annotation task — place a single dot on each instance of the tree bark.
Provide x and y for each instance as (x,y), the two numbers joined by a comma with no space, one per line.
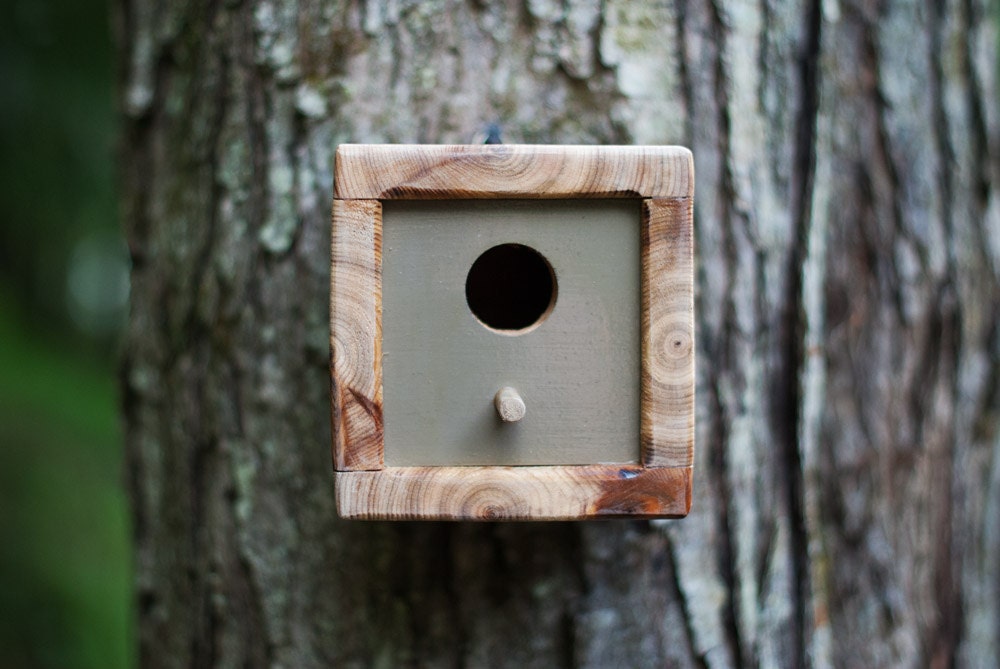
(847,481)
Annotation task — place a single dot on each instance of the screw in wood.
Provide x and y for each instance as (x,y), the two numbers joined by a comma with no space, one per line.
(509,405)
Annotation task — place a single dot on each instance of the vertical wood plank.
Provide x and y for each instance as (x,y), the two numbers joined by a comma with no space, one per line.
(356,335)
(667,394)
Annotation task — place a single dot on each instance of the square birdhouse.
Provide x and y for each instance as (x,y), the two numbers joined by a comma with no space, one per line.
(512,332)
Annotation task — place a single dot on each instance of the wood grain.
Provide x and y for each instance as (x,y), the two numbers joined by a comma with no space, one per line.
(356,334)
(661,486)
(667,393)
(514,493)
(390,171)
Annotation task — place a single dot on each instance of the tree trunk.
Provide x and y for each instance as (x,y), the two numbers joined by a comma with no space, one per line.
(847,483)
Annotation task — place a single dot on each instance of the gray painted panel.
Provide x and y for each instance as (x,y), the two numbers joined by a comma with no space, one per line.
(578,372)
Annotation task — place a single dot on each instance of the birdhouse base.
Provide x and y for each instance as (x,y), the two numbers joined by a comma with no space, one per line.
(515,493)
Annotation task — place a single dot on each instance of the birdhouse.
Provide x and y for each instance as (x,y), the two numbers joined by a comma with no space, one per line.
(512,332)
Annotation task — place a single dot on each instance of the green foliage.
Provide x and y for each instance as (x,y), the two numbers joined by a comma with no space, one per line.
(56,145)
(64,570)
(64,554)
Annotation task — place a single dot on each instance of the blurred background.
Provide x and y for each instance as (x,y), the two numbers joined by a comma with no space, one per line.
(64,556)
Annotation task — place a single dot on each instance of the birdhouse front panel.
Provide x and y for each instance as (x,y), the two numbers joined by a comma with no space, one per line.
(542,297)
(512,332)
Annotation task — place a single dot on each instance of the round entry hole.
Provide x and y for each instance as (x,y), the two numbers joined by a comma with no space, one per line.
(511,288)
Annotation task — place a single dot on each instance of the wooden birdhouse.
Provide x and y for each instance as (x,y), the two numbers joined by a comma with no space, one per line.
(512,332)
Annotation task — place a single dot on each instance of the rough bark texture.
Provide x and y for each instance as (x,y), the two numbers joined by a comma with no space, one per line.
(847,482)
